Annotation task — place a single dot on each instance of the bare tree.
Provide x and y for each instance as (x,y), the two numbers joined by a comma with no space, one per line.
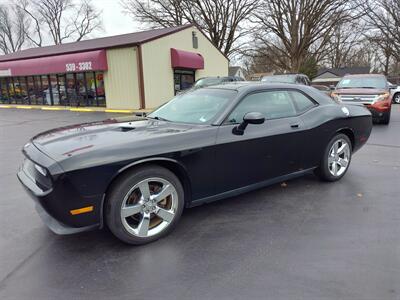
(87,20)
(343,48)
(13,24)
(224,21)
(156,13)
(383,16)
(32,33)
(295,31)
(63,20)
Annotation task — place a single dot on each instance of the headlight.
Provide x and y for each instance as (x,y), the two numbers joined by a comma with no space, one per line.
(41,170)
(382,97)
(335,97)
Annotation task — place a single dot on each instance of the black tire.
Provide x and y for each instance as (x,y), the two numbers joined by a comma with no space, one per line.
(396,98)
(323,171)
(386,118)
(120,189)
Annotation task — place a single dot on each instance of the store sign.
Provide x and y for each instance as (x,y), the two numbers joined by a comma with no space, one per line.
(80,66)
(75,62)
(5,73)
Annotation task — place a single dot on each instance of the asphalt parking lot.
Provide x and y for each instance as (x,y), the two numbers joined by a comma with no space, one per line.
(301,240)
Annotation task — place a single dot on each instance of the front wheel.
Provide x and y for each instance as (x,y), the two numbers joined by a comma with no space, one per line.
(396,98)
(336,158)
(144,205)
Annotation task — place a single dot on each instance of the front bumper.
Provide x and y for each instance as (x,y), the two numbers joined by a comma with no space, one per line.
(54,203)
(378,114)
(55,225)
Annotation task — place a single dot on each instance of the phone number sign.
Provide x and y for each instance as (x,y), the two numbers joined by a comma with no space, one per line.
(80,66)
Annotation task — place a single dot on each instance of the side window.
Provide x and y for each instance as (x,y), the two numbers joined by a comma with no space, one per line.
(302,102)
(274,104)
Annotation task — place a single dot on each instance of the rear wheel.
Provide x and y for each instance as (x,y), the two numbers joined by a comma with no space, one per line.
(144,205)
(336,158)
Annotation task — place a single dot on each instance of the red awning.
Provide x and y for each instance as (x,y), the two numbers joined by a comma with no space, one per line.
(186,59)
(76,62)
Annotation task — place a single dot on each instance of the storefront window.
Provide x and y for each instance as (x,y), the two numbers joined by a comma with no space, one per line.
(81,89)
(14,90)
(38,90)
(23,92)
(72,89)
(30,89)
(53,90)
(3,91)
(61,89)
(7,83)
(91,89)
(47,96)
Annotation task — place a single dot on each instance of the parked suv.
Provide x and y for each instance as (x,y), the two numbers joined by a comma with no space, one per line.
(371,90)
(287,78)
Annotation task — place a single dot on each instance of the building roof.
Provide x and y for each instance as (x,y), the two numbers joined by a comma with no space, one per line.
(233,70)
(344,71)
(133,39)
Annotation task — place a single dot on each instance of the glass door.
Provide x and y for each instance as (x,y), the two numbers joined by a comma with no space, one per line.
(183,79)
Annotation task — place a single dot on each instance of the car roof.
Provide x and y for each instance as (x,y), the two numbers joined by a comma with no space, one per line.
(364,75)
(254,85)
(245,87)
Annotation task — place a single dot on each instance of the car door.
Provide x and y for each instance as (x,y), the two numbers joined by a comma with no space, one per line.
(264,151)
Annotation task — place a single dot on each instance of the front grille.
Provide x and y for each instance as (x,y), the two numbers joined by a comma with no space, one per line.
(43,182)
(364,99)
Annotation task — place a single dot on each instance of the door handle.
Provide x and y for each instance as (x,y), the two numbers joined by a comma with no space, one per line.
(295,125)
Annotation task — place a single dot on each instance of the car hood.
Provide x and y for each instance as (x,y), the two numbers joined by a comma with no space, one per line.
(360,91)
(111,140)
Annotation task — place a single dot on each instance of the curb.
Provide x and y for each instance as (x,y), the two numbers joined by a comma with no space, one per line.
(77,109)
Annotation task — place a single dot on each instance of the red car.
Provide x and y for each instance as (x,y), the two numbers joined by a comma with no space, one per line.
(371,90)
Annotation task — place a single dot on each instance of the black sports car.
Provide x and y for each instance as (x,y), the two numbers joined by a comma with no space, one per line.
(136,175)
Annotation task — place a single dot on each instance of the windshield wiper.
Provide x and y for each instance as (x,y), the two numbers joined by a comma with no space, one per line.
(158,118)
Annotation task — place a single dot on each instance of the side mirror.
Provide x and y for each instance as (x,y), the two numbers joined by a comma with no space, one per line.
(249,118)
(392,87)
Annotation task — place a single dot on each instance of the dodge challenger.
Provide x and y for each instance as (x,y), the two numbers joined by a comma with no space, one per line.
(137,174)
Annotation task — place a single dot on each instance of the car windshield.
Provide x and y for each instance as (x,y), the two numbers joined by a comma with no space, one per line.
(208,81)
(280,78)
(198,107)
(377,82)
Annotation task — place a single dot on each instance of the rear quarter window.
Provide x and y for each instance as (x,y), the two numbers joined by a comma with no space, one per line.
(301,101)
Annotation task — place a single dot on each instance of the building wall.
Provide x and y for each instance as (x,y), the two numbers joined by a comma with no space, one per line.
(121,80)
(158,74)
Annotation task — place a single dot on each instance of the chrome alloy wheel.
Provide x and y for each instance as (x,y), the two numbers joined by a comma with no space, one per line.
(149,207)
(397,98)
(339,157)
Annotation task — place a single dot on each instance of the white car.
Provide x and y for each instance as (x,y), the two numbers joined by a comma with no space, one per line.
(395,91)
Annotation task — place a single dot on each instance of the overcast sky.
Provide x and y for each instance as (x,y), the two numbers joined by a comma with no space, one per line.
(114,21)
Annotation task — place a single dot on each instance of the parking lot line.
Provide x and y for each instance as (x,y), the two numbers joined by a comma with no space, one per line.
(127,111)
(51,108)
(81,109)
(24,107)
